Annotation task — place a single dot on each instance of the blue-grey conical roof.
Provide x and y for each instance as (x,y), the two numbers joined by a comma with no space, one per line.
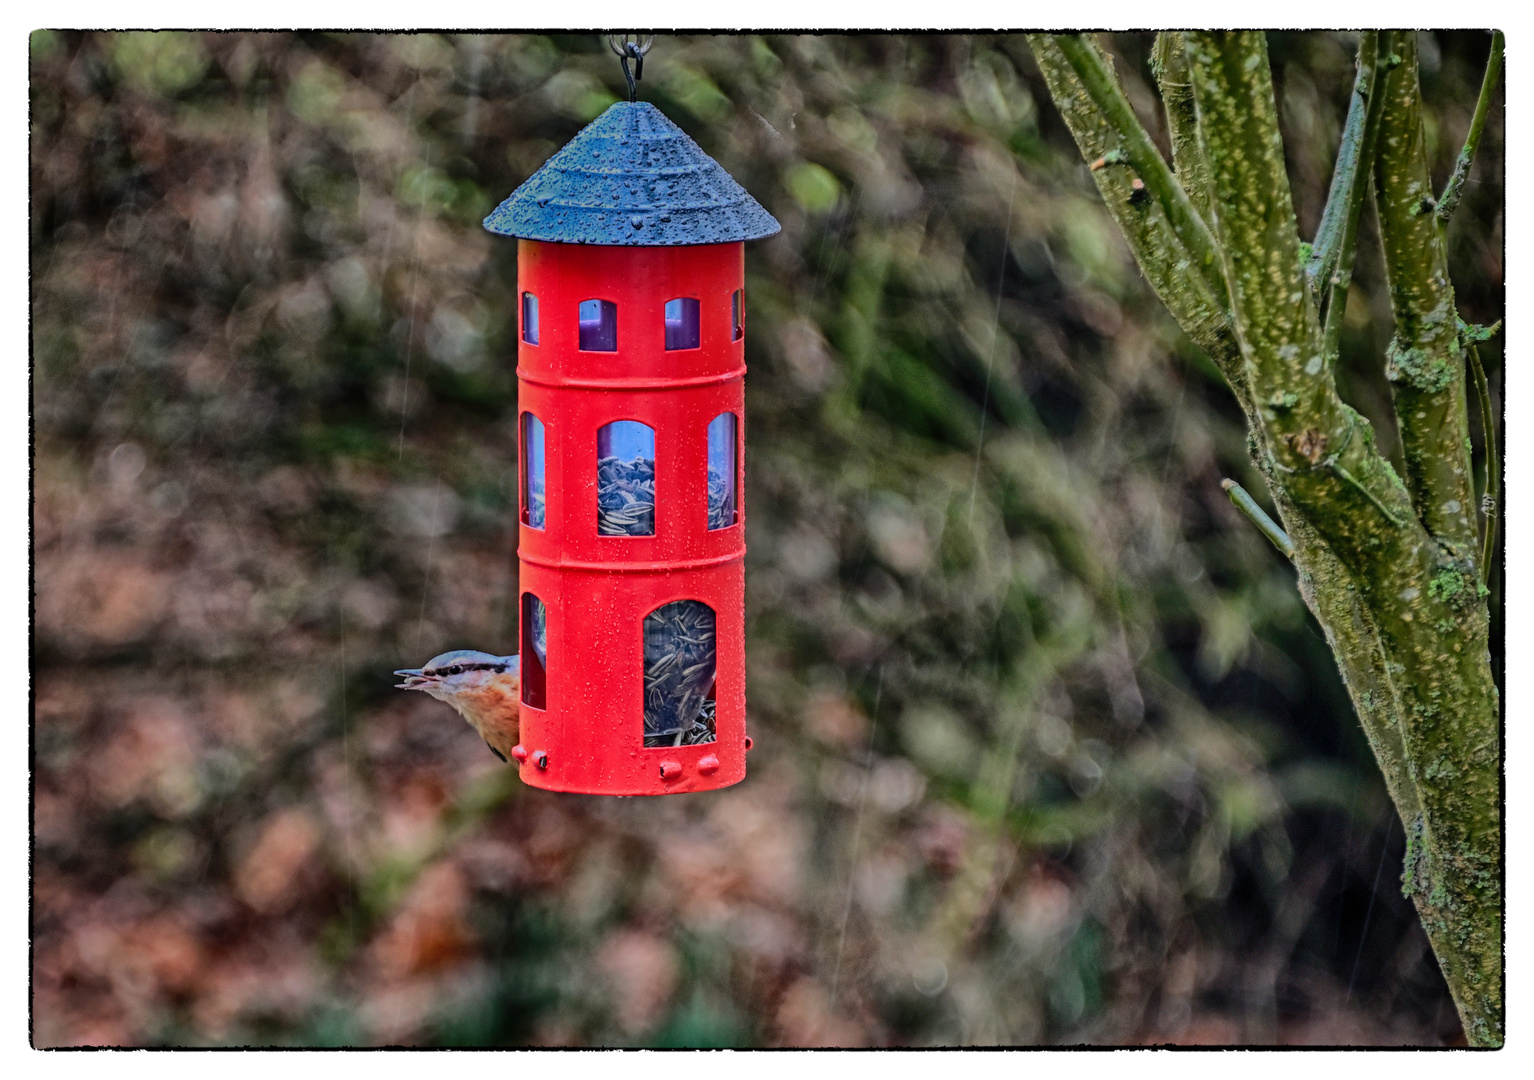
(633,178)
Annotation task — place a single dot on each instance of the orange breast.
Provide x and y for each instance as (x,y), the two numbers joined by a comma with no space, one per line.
(496,706)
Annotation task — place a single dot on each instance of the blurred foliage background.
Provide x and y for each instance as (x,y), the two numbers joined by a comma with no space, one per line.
(1047,748)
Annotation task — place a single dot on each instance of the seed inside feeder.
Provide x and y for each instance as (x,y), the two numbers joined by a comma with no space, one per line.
(721,471)
(721,502)
(626,479)
(540,631)
(625,497)
(533,466)
(679,671)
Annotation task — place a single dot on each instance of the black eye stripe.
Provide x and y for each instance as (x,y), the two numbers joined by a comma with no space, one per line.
(454,669)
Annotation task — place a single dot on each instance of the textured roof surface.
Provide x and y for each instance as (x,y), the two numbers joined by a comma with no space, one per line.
(632,177)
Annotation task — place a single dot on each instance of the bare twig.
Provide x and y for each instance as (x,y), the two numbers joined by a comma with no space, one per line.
(1493,467)
(1374,499)
(1259,517)
(1351,194)
(1453,189)
(1350,153)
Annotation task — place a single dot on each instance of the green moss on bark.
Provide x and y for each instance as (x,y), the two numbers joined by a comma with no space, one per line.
(1420,369)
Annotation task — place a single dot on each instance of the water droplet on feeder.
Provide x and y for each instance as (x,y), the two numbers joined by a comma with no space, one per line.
(637,221)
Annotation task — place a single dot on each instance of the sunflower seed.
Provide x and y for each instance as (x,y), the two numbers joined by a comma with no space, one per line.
(625,497)
(679,672)
(721,501)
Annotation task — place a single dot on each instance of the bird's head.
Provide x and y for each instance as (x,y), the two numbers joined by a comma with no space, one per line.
(462,675)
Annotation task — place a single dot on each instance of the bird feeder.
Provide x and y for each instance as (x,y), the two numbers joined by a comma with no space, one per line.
(631,423)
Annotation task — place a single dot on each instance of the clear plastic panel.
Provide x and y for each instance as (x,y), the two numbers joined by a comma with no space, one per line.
(529,318)
(682,323)
(533,493)
(625,479)
(599,326)
(535,652)
(679,672)
(721,471)
(737,314)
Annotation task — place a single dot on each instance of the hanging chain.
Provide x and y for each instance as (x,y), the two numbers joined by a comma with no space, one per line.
(628,47)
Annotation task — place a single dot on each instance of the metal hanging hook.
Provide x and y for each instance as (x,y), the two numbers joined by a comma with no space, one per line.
(627,47)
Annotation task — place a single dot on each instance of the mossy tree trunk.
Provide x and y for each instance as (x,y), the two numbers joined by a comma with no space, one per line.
(1390,566)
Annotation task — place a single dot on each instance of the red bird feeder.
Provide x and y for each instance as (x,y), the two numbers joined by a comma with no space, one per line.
(630,393)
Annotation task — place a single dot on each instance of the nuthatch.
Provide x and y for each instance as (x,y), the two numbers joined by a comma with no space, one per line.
(484,688)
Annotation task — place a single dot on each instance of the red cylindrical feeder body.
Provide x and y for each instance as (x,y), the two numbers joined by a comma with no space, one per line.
(588,734)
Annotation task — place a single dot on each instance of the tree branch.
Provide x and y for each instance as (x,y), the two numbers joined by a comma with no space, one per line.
(1170,64)
(1371,67)
(1310,432)
(1424,363)
(1451,191)
(1102,86)
(1343,193)
(1402,615)
(1330,588)
(1163,258)
(1419,606)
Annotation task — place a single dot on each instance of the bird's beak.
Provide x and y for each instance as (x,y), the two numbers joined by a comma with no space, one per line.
(415,679)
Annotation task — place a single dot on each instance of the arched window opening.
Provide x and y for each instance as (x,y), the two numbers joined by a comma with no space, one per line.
(737,314)
(535,652)
(682,323)
(529,318)
(533,494)
(598,326)
(626,479)
(679,674)
(721,472)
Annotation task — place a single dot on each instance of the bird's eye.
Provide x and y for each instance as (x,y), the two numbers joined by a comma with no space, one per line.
(455,670)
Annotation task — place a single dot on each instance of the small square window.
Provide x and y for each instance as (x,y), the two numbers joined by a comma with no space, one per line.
(529,318)
(737,314)
(682,323)
(599,326)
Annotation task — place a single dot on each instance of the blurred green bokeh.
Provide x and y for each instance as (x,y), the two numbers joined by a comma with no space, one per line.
(1047,748)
